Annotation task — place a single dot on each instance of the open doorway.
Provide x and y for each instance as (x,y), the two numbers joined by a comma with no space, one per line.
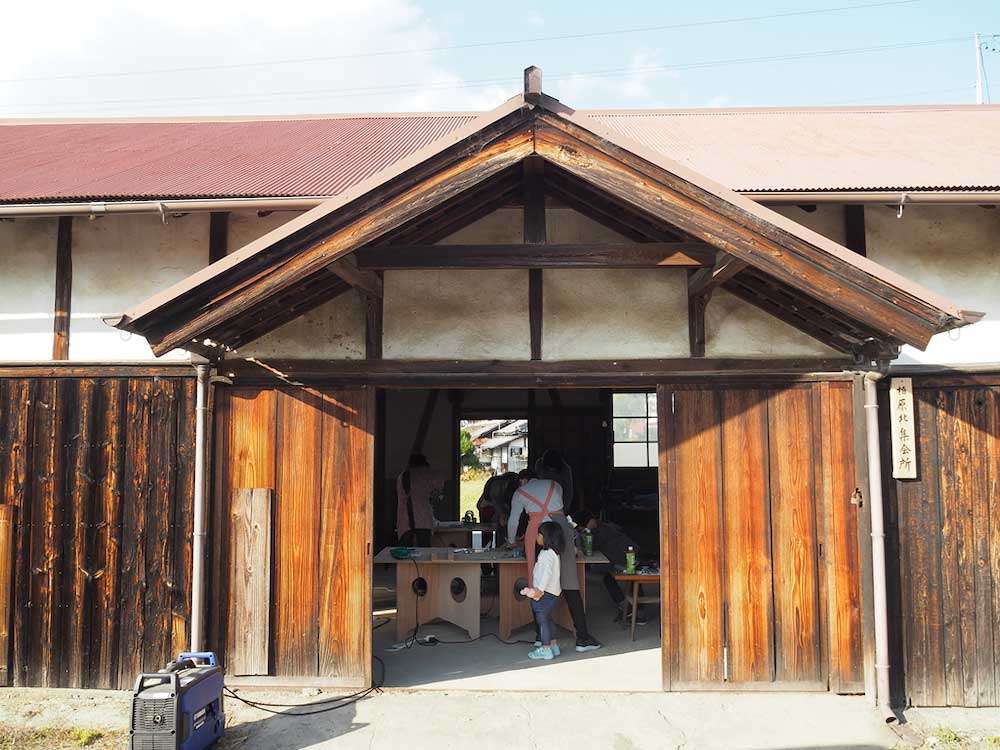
(468,437)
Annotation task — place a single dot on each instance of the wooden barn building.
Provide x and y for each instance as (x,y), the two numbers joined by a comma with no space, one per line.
(191,310)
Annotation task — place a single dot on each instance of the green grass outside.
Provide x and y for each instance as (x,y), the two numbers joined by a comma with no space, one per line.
(471,490)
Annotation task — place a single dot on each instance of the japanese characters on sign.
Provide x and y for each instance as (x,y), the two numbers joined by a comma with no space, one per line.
(904,441)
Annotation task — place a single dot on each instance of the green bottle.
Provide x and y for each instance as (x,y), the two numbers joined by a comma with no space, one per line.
(588,542)
(630,560)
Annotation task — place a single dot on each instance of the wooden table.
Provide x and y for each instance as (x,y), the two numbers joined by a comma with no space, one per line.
(440,566)
(637,579)
(460,534)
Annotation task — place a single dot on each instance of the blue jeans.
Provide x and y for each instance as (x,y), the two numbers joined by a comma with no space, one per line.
(543,616)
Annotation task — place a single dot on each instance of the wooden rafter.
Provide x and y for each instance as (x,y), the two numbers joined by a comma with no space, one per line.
(366,282)
(583,255)
(702,283)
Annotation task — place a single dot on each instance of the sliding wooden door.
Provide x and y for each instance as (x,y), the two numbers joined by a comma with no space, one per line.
(749,483)
(313,448)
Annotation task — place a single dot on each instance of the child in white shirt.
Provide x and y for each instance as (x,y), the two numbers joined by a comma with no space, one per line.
(545,589)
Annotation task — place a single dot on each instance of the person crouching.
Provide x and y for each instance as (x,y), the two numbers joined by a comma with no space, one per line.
(545,589)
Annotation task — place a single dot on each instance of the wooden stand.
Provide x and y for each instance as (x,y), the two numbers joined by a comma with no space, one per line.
(438,603)
(515,610)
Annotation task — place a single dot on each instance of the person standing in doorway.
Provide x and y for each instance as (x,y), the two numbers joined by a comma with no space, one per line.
(541,500)
(553,466)
(414,513)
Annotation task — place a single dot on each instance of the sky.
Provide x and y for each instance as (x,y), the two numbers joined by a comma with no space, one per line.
(261,57)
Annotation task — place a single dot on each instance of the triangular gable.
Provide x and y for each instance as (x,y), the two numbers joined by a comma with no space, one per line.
(259,286)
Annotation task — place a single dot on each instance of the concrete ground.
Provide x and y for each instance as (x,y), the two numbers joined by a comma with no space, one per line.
(488,664)
(507,720)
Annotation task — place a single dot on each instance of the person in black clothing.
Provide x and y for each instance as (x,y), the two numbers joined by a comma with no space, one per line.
(612,542)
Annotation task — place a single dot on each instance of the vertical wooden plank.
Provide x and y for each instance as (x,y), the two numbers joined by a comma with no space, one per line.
(695,496)
(64,288)
(668,565)
(135,504)
(46,534)
(182,515)
(347,425)
(157,584)
(793,520)
(109,474)
(297,527)
(976,488)
(251,581)
(6,588)
(842,558)
(992,453)
(958,564)
(15,459)
(747,523)
(854,229)
(247,453)
(78,587)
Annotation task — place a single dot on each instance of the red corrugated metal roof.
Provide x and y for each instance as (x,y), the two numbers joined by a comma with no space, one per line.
(889,148)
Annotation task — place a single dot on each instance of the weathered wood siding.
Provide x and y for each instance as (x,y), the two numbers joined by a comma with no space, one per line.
(944,546)
(100,473)
(759,537)
(315,449)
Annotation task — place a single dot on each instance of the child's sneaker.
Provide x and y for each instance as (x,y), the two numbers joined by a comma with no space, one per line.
(555,650)
(541,653)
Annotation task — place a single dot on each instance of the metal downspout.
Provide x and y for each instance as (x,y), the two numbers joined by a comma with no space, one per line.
(198,539)
(879,595)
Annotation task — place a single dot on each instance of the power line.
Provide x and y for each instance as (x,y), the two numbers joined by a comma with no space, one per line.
(479,83)
(466,46)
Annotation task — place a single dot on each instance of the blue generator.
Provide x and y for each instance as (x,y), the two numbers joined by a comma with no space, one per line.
(179,707)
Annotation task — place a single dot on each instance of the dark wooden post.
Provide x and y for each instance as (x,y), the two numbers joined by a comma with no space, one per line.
(373,323)
(854,229)
(534,234)
(64,288)
(218,236)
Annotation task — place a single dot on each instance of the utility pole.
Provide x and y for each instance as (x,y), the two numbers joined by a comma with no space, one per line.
(980,99)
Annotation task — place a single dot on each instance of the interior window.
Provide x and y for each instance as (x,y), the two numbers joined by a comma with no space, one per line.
(633,418)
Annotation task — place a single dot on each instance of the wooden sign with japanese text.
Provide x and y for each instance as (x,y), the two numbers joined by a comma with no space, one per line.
(901,427)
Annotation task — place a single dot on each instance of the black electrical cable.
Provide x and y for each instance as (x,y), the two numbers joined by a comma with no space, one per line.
(342,701)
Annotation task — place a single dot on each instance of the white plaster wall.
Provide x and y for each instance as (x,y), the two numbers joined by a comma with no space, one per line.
(502,227)
(734,328)
(444,314)
(27,288)
(954,251)
(119,261)
(246,226)
(334,330)
(614,313)
(827,220)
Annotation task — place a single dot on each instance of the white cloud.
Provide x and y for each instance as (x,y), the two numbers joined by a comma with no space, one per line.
(643,83)
(117,36)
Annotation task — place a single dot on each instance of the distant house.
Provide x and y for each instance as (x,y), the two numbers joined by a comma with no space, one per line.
(506,448)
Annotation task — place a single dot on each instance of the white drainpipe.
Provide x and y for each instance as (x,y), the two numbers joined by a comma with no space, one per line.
(198,541)
(878,548)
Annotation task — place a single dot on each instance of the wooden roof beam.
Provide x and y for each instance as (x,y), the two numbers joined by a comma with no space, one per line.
(582,255)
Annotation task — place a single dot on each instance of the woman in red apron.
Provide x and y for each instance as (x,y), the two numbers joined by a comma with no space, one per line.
(542,500)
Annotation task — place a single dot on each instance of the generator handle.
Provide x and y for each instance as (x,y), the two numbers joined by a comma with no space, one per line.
(208,656)
(156,678)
